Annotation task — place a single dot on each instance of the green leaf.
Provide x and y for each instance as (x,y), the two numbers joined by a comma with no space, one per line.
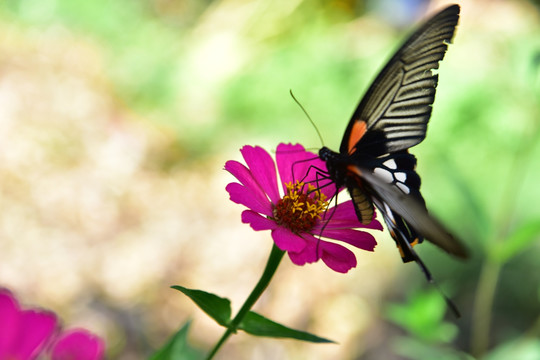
(177,348)
(423,317)
(411,348)
(517,242)
(258,325)
(522,348)
(216,307)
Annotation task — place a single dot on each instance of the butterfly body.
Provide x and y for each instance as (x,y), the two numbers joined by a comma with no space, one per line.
(396,170)
(374,162)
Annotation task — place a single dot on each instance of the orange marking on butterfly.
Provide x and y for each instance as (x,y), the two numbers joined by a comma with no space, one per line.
(354,170)
(401,251)
(358,130)
(413,243)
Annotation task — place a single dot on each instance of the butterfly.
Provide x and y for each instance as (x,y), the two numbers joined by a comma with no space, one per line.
(374,162)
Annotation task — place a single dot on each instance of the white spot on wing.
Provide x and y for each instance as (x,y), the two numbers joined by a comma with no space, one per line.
(388,213)
(391,164)
(400,176)
(384,175)
(403,187)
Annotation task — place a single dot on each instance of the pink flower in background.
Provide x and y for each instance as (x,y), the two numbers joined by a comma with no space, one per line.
(78,344)
(299,218)
(27,334)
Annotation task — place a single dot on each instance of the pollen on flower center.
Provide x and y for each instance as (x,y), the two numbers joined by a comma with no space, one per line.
(299,209)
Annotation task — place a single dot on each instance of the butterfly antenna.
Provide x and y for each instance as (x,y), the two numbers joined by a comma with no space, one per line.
(309,118)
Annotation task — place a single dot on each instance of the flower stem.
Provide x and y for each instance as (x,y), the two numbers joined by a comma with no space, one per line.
(271,266)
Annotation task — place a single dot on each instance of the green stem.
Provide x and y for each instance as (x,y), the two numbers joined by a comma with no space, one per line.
(534,330)
(271,266)
(483,304)
(491,269)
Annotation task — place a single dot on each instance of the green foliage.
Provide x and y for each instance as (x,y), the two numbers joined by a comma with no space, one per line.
(178,348)
(521,239)
(414,349)
(522,349)
(258,325)
(423,317)
(216,307)
(219,309)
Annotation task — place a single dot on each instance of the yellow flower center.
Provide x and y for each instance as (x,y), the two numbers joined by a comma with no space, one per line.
(299,210)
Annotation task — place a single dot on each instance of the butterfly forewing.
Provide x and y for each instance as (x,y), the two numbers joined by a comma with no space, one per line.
(396,108)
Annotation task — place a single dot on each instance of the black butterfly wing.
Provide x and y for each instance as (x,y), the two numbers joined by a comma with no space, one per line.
(404,236)
(394,112)
(412,220)
(397,169)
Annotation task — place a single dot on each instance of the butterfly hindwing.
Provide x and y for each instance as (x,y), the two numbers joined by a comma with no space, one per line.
(412,210)
(404,236)
(396,170)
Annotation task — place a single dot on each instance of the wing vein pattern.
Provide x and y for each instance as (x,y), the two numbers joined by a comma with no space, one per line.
(399,102)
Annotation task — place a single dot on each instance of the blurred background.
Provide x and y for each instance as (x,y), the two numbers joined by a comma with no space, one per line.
(116,118)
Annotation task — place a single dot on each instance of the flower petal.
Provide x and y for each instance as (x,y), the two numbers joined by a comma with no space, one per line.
(23,334)
(337,257)
(360,239)
(289,159)
(242,173)
(263,169)
(308,255)
(243,195)
(35,329)
(251,192)
(294,163)
(9,313)
(287,241)
(257,222)
(78,344)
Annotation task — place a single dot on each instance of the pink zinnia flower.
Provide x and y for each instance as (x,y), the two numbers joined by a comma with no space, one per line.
(299,218)
(27,334)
